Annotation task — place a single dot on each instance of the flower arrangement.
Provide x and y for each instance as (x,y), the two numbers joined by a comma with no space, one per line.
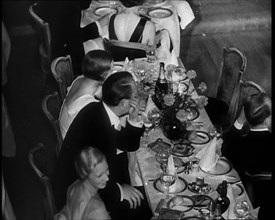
(181,107)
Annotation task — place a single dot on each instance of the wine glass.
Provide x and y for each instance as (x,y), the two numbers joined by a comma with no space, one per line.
(162,156)
(151,55)
(215,131)
(242,209)
(167,178)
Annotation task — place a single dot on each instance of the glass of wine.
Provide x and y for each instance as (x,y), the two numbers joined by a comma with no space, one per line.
(242,210)
(167,178)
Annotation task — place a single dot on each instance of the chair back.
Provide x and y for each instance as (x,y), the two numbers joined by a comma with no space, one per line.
(120,49)
(43,31)
(62,70)
(51,106)
(232,68)
(37,156)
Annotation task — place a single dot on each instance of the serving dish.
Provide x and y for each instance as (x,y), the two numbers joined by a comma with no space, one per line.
(182,150)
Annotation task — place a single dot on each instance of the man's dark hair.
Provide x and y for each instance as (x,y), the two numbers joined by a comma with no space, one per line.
(116,87)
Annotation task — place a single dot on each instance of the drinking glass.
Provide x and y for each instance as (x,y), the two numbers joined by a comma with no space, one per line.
(151,55)
(242,209)
(215,131)
(167,178)
(162,156)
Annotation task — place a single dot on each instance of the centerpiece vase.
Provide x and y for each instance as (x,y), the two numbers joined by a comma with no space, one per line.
(172,128)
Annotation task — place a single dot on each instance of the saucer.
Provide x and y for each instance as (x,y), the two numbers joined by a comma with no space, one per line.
(205,189)
(182,150)
(181,186)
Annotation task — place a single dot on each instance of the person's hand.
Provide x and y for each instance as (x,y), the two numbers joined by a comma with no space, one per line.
(132,195)
(134,110)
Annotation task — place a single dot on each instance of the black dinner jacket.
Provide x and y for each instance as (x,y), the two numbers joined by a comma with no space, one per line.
(92,127)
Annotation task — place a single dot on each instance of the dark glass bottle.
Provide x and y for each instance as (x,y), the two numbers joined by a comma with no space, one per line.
(161,87)
(222,199)
(218,214)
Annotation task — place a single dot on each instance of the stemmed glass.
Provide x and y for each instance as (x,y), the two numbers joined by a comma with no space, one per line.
(167,178)
(151,54)
(242,210)
(215,131)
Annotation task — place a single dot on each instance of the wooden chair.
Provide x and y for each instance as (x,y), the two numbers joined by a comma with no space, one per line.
(62,70)
(225,106)
(51,105)
(37,158)
(43,30)
(120,49)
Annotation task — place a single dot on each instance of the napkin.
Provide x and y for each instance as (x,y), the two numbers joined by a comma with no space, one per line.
(150,106)
(171,168)
(229,213)
(209,157)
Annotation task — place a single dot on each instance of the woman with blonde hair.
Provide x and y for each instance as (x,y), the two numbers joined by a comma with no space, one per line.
(83,200)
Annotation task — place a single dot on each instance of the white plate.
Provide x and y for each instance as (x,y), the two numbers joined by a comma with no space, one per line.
(159,13)
(104,10)
(202,138)
(181,203)
(222,167)
(182,185)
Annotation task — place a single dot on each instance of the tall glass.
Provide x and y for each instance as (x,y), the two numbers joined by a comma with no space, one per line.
(167,178)
(242,210)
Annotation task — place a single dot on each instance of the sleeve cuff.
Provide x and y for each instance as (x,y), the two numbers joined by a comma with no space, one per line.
(136,124)
(121,192)
(238,125)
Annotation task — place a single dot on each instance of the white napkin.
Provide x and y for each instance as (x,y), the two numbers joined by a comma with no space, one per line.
(229,214)
(126,61)
(209,157)
(171,168)
(150,106)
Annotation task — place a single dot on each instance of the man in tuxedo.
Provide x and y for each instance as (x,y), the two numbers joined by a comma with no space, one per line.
(250,152)
(98,124)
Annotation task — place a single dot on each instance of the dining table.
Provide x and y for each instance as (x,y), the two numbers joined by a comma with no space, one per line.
(149,168)
(172,15)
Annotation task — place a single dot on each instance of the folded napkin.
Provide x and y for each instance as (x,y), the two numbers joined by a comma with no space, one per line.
(209,157)
(229,213)
(150,106)
(171,168)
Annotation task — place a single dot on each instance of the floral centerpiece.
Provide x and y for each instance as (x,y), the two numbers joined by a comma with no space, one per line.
(181,106)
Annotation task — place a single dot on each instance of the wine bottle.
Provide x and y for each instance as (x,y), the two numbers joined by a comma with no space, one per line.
(161,87)
(218,214)
(222,199)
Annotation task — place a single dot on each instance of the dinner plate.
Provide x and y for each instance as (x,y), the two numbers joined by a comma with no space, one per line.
(202,138)
(181,186)
(104,10)
(238,190)
(205,189)
(159,12)
(182,150)
(181,203)
(222,167)
(202,201)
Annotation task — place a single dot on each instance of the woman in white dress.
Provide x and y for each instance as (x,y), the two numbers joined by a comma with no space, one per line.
(86,88)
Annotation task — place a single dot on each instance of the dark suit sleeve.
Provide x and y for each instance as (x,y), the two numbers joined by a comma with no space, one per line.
(128,138)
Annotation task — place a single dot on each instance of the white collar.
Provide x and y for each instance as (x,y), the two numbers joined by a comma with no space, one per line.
(112,116)
(259,129)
